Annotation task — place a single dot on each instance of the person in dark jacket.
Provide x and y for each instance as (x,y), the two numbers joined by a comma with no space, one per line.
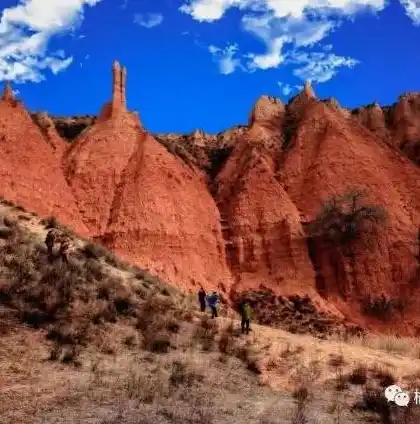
(246,314)
(212,301)
(202,299)
(64,248)
(49,241)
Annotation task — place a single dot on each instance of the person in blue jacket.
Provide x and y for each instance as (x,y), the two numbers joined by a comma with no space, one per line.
(212,301)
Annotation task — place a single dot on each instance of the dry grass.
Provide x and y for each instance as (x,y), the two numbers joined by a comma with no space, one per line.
(391,344)
(125,348)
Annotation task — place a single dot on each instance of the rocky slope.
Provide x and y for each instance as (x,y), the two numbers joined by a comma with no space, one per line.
(230,211)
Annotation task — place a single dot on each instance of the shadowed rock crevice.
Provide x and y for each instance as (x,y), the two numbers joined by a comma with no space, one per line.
(70,128)
(320,282)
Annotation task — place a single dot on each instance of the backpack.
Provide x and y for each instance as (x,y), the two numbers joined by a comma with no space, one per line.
(246,311)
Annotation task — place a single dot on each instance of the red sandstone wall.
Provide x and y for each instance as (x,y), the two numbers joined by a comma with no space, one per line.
(94,165)
(30,172)
(164,219)
(332,154)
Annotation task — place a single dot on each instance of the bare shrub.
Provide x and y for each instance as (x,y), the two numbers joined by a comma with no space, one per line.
(6,202)
(290,351)
(337,361)
(304,378)
(359,375)
(182,375)
(341,382)
(381,307)
(342,219)
(50,222)
(130,340)
(226,341)
(147,388)
(160,343)
(173,326)
(9,222)
(385,377)
(302,397)
(152,320)
(373,400)
(94,251)
(24,217)
(6,233)
(206,332)
(94,271)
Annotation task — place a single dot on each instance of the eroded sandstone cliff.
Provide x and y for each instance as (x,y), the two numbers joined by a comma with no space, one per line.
(30,169)
(230,211)
(398,124)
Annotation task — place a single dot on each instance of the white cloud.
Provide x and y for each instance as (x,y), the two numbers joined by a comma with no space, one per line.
(287,89)
(148,20)
(288,26)
(208,10)
(211,10)
(319,67)
(226,58)
(272,59)
(413,10)
(25,31)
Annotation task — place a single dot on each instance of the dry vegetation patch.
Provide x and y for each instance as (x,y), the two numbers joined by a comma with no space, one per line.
(142,353)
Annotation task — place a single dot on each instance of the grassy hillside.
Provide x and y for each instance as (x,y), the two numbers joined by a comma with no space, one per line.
(100,341)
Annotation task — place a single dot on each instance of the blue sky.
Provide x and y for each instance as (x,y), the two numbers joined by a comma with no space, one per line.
(203,63)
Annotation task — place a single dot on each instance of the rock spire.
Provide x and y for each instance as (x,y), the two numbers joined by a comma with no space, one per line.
(8,92)
(119,79)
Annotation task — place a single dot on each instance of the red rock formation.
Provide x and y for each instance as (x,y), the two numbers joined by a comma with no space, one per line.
(119,80)
(47,127)
(30,172)
(398,125)
(143,202)
(8,95)
(118,104)
(405,125)
(152,201)
(94,164)
(265,241)
(332,154)
(373,118)
(164,219)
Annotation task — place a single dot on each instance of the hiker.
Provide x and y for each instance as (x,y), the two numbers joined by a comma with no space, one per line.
(49,241)
(64,248)
(212,301)
(246,313)
(202,299)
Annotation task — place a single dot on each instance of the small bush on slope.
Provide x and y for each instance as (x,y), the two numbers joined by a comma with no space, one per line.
(342,219)
(50,222)
(381,307)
